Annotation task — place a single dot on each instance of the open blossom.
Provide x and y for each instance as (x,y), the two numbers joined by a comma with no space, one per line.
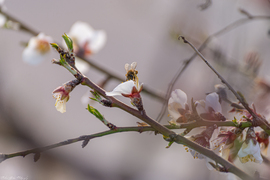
(61,94)
(177,106)
(37,49)
(86,40)
(127,89)
(210,108)
(250,150)
(224,142)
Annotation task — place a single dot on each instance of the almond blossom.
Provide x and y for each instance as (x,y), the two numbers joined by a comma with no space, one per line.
(250,150)
(37,49)
(87,41)
(210,108)
(127,89)
(177,106)
(61,94)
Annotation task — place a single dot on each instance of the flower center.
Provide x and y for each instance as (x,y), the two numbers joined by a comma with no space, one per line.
(43,46)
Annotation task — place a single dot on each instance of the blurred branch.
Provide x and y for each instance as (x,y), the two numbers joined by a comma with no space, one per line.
(92,63)
(205,5)
(186,63)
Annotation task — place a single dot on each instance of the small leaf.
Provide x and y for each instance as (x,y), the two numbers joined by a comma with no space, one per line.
(95,112)
(94,99)
(69,42)
(55,46)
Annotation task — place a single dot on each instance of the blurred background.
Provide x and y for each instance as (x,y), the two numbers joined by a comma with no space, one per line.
(144,31)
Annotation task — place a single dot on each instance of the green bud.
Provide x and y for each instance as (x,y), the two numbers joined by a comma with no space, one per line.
(95,112)
(69,42)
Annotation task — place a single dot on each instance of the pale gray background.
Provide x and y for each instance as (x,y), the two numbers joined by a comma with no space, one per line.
(137,30)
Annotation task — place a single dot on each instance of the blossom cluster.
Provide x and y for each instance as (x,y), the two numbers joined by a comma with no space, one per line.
(250,147)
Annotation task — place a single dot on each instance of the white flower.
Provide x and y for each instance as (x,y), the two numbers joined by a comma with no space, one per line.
(61,94)
(127,89)
(250,151)
(211,102)
(177,101)
(2,157)
(37,50)
(86,40)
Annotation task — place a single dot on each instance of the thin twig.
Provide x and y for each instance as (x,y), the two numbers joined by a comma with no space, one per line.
(201,48)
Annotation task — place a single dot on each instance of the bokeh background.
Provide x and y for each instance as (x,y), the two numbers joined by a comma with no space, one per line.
(144,31)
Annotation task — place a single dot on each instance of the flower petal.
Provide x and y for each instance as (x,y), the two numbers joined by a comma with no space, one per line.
(97,41)
(212,100)
(123,88)
(81,31)
(250,152)
(173,109)
(179,96)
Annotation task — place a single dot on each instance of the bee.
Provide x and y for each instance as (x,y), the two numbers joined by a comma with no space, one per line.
(131,71)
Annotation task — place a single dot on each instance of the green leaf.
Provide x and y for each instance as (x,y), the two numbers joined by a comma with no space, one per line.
(94,99)
(55,46)
(69,42)
(95,112)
